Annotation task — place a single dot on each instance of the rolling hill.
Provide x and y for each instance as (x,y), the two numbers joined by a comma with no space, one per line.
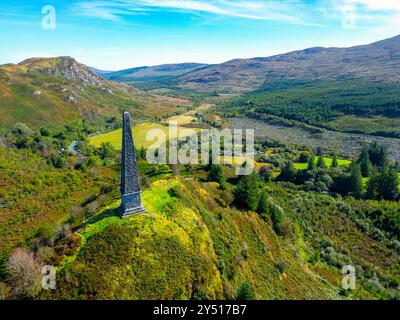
(152,76)
(377,61)
(52,91)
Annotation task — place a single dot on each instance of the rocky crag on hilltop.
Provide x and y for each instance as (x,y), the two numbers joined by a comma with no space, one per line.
(65,67)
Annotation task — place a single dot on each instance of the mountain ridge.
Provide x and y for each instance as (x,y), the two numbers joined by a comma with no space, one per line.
(378,61)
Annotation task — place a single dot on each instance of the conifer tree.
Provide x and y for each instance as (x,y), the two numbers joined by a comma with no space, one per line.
(216,174)
(364,162)
(245,292)
(288,173)
(355,180)
(246,192)
(378,155)
(334,162)
(383,184)
(263,203)
(321,162)
(311,163)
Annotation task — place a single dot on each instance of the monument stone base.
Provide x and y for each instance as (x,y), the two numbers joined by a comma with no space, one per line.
(131,204)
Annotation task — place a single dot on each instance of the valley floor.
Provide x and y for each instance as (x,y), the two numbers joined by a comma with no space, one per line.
(347,144)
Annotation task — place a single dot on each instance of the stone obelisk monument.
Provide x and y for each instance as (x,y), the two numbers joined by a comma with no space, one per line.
(130,185)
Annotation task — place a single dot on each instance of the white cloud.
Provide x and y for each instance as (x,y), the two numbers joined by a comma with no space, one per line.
(288,11)
(378,4)
(380,18)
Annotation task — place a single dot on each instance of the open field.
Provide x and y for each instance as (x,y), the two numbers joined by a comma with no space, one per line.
(327,160)
(345,144)
(140,132)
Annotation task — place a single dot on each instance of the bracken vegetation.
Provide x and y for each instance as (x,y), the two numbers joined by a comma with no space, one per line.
(284,232)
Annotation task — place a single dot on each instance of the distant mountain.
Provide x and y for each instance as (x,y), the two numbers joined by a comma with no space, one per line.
(147,77)
(52,91)
(156,71)
(376,61)
(100,72)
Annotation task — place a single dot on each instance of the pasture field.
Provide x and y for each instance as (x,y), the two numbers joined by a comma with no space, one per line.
(140,132)
(327,160)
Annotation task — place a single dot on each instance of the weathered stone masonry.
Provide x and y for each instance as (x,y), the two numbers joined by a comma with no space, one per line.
(130,185)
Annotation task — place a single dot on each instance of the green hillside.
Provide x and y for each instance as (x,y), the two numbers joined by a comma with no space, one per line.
(194,242)
(206,254)
(283,232)
(54,91)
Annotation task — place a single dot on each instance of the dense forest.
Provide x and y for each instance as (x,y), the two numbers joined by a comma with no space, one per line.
(320,103)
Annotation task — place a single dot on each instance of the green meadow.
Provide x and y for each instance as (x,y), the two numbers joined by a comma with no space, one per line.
(327,160)
(140,133)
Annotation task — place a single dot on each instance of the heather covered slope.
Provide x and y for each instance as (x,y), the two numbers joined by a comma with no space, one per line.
(378,61)
(194,242)
(187,246)
(53,91)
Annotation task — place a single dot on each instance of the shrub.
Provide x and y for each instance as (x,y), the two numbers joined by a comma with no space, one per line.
(45,253)
(288,173)
(304,157)
(377,234)
(56,161)
(106,151)
(277,218)
(265,173)
(282,266)
(216,174)
(24,273)
(44,132)
(286,229)
(22,129)
(5,291)
(395,244)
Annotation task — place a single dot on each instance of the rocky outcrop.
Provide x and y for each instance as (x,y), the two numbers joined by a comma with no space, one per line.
(65,67)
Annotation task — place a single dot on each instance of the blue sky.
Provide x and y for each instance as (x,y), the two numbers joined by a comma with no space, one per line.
(118,34)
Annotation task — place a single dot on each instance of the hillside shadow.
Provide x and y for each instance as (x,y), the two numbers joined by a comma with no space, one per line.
(103,215)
